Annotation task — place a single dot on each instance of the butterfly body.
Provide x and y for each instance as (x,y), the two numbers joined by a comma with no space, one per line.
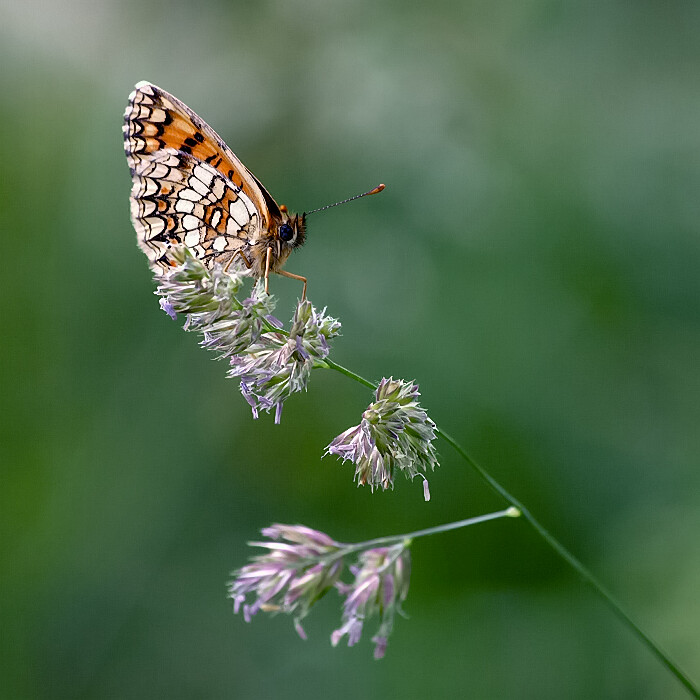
(190,189)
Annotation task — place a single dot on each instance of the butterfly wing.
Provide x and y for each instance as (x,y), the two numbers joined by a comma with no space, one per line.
(189,187)
(177,199)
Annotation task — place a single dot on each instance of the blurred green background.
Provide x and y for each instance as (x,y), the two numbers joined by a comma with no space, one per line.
(533,264)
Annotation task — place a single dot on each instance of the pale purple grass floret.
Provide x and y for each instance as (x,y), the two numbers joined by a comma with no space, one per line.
(270,364)
(301,565)
(395,434)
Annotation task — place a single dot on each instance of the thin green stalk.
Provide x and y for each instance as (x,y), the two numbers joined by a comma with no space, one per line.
(559,548)
(348,373)
(391,539)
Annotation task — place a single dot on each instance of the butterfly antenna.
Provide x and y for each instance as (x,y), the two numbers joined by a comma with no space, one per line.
(376,190)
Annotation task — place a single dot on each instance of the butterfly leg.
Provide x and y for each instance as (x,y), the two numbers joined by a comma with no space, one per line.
(268,257)
(246,262)
(284,273)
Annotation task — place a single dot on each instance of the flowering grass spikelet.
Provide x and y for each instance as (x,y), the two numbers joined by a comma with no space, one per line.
(380,586)
(395,433)
(270,363)
(236,332)
(300,567)
(190,288)
(278,365)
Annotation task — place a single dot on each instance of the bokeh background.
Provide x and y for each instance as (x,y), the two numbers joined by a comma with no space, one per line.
(533,263)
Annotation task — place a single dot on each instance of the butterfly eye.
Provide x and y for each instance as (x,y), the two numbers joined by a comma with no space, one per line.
(286,232)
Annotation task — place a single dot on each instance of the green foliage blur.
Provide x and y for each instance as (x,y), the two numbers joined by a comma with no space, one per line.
(533,264)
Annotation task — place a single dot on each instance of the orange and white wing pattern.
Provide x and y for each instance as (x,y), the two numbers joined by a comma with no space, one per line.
(188,186)
(177,199)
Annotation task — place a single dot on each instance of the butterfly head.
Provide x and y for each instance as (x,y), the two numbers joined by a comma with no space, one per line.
(291,231)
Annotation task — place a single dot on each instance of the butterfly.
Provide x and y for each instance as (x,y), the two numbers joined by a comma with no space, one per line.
(189,188)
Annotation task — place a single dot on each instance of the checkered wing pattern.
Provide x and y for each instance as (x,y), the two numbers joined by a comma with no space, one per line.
(188,186)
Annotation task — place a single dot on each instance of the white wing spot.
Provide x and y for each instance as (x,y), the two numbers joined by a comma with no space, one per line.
(190,222)
(147,207)
(171,157)
(201,173)
(155,225)
(158,115)
(249,205)
(239,211)
(190,194)
(218,187)
(191,239)
(219,244)
(232,227)
(184,206)
(159,170)
(198,186)
(148,187)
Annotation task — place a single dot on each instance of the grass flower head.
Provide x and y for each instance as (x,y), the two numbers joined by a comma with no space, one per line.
(300,567)
(278,365)
(395,433)
(270,363)
(380,586)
